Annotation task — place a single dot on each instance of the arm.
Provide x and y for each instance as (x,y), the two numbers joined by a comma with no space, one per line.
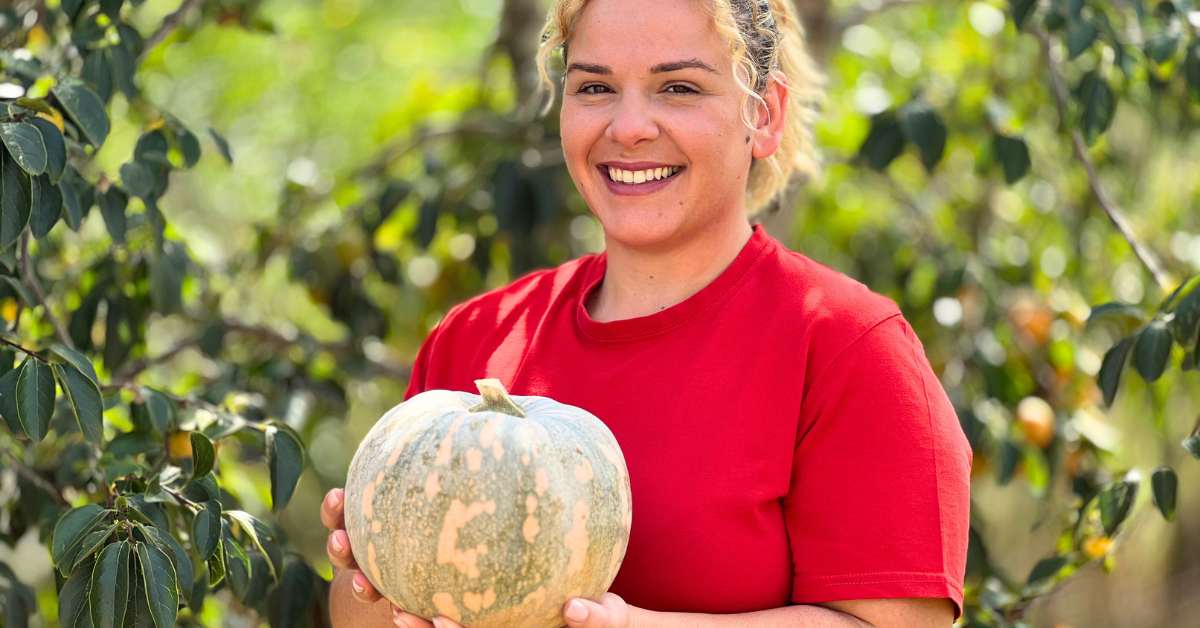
(345,609)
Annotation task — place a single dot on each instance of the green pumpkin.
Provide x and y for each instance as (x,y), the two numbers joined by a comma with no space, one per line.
(488,509)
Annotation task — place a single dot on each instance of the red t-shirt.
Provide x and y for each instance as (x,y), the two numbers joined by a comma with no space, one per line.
(786,438)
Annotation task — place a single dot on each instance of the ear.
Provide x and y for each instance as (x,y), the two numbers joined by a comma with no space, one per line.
(768,132)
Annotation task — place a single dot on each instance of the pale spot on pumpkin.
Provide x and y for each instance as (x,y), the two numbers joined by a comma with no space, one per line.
(530,504)
(457,517)
(583,471)
(541,481)
(536,598)
(368,497)
(398,447)
(474,459)
(432,488)
(376,527)
(530,528)
(373,566)
(487,435)
(576,540)
(445,448)
(525,459)
(476,602)
(444,603)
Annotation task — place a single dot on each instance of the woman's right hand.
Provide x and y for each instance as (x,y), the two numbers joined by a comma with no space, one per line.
(338,545)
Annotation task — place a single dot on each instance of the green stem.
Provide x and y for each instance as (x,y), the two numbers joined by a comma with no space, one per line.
(495,398)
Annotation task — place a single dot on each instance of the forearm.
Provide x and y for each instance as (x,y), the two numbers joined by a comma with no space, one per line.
(804,615)
(345,610)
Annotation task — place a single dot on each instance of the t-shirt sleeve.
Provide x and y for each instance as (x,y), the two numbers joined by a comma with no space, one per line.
(878,505)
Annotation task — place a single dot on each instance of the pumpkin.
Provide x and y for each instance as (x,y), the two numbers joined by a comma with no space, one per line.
(492,510)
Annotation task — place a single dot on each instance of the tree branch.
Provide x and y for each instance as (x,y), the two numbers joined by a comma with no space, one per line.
(1114,213)
(170,23)
(30,277)
(33,478)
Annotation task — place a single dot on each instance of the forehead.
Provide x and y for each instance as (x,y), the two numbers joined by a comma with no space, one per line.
(615,32)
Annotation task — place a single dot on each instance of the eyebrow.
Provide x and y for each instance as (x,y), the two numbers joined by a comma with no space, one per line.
(672,66)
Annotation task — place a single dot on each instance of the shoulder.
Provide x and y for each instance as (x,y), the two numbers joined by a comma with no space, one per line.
(530,295)
(832,309)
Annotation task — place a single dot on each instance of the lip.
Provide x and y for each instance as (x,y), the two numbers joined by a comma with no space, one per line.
(636,189)
(635,165)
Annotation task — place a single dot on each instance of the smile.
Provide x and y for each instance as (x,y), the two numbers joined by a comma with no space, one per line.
(638,177)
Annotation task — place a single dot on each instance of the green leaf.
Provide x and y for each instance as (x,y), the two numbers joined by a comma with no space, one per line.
(924,127)
(1013,155)
(257,531)
(81,362)
(1115,502)
(1111,368)
(179,557)
(1021,10)
(285,458)
(97,72)
(85,401)
(161,584)
(70,531)
(123,68)
(1192,445)
(222,145)
(110,592)
(292,601)
(1046,568)
(25,145)
(72,206)
(1098,104)
(167,272)
(884,143)
(189,146)
(1128,317)
(1164,483)
(91,544)
(112,207)
(47,208)
(137,179)
(1161,47)
(216,566)
(35,398)
(237,563)
(1151,350)
(1081,34)
(55,145)
(8,400)
(206,529)
(16,201)
(73,610)
(84,108)
(159,409)
(203,454)
(1191,68)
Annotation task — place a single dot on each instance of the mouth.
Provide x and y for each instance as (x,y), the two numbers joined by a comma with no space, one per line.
(630,182)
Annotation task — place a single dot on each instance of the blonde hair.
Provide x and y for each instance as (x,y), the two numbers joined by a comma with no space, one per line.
(766,40)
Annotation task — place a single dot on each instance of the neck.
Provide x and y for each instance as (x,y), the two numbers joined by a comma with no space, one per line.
(640,282)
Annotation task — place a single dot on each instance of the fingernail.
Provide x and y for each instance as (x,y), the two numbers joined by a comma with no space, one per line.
(358,588)
(336,541)
(399,621)
(438,622)
(335,499)
(576,611)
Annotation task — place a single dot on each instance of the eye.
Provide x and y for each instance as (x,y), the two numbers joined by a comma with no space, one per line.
(687,89)
(585,89)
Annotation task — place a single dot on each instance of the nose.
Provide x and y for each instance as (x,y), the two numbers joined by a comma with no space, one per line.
(632,122)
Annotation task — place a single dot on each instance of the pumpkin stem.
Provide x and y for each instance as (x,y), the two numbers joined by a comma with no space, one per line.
(495,398)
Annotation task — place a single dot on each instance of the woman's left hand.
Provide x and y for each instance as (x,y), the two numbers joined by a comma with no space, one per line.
(610,611)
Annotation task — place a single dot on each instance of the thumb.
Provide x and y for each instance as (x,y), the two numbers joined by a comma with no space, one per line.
(609,612)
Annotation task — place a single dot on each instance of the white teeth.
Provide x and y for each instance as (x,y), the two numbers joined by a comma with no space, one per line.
(641,176)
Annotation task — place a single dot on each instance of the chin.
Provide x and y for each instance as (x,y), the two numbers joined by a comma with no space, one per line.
(648,231)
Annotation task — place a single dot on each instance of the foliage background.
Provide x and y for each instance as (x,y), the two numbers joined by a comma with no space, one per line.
(385,168)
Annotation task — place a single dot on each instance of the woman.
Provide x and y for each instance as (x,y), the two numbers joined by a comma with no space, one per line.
(792,457)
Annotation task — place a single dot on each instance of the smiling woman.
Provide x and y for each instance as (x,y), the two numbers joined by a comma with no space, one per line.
(792,457)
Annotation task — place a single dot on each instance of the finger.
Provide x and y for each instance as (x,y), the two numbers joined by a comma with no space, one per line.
(444,622)
(408,620)
(333,509)
(338,549)
(609,612)
(363,590)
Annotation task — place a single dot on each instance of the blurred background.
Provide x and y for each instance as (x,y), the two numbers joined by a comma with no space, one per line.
(387,163)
